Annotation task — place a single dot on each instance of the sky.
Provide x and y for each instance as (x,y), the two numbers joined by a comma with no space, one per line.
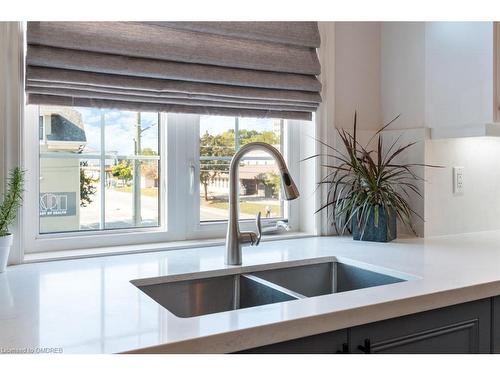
(120,128)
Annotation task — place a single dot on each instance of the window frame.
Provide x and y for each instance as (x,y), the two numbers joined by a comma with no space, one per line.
(237,142)
(216,229)
(102,156)
(179,211)
(36,242)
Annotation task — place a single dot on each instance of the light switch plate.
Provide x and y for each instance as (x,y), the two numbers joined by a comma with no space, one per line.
(458,180)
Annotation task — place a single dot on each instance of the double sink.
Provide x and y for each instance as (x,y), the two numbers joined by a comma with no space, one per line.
(208,295)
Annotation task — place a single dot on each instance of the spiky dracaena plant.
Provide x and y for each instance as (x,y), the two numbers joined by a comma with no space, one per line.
(12,200)
(361,182)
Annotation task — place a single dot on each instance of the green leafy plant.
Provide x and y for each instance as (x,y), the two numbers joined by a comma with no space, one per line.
(223,145)
(123,171)
(12,200)
(87,186)
(219,145)
(272,180)
(363,180)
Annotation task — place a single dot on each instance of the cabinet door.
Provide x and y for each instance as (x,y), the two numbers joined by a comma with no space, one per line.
(324,343)
(463,328)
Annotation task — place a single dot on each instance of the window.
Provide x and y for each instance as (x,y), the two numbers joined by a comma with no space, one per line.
(99,169)
(260,185)
(109,177)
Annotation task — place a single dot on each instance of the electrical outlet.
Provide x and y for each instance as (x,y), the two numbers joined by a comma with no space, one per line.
(458,180)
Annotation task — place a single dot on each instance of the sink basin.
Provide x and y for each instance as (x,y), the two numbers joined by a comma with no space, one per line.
(325,278)
(216,294)
(200,296)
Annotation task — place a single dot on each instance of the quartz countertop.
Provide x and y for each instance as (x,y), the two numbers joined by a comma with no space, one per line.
(90,305)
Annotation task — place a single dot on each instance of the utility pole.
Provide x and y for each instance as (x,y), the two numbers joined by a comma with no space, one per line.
(137,173)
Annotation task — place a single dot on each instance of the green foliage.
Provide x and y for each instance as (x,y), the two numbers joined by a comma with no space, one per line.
(87,187)
(272,180)
(363,179)
(267,136)
(122,170)
(223,145)
(12,200)
(218,145)
(148,151)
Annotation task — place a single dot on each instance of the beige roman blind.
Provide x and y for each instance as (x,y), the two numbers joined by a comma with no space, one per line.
(256,69)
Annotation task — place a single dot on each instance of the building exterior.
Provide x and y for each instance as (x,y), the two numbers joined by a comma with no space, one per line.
(251,173)
(61,133)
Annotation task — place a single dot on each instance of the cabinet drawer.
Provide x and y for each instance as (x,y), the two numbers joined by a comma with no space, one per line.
(324,343)
(463,328)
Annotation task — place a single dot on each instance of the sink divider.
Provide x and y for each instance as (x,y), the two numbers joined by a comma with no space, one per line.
(236,292)
(269,284)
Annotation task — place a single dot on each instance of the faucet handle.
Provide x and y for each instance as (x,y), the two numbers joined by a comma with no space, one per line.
(259,228)
(252,237)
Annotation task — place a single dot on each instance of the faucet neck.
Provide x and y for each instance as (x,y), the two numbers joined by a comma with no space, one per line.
(233,173)
(233,240)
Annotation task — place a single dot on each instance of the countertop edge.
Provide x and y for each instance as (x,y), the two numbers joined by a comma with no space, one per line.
(238,340)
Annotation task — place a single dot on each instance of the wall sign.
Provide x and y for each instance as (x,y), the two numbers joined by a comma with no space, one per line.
(58,204)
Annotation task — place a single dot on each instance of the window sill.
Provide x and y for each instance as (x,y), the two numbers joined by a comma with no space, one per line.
(142,248)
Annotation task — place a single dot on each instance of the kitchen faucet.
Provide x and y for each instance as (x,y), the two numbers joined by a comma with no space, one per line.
(234,237)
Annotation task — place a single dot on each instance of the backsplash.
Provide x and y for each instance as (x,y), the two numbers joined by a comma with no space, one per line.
(478,208)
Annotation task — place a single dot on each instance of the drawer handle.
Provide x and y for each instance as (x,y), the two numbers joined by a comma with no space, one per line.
(367,349)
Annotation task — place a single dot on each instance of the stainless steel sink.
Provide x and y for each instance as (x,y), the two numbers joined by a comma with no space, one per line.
(200,296)
(216,294)
(326,278)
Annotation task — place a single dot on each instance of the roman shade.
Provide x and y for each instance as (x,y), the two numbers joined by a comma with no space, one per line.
(249,69)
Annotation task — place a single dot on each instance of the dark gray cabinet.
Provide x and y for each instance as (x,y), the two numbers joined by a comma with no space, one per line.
(464,328)
(495,325)
(324,343)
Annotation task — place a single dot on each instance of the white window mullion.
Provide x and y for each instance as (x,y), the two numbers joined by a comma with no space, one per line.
(182,185)
(163,169)
(102,174)
(291,150)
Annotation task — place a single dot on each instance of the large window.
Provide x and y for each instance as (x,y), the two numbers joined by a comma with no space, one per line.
(108,177)
(98,169)
(259,187)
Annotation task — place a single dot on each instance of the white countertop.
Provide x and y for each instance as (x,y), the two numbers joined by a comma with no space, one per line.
(90,305)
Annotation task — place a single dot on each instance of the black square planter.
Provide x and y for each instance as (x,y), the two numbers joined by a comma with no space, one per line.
(380,233)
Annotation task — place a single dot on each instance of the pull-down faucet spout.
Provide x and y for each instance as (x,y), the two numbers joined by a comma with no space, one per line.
(234,237)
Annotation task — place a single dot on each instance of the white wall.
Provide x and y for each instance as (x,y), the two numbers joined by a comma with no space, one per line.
(459,92)
(478,209)
(403,73)
(380,72)
(11,114)
(357,74)
(323,129)
(403,93)
(440,74)
(350,63)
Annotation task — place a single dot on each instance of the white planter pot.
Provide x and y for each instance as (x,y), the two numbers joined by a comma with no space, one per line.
(5,244)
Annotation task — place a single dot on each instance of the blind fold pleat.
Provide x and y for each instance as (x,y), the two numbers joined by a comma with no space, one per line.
(303,34)
(257,69)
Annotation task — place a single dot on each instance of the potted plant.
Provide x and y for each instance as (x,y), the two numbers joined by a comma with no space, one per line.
(12,200)
(368,190)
